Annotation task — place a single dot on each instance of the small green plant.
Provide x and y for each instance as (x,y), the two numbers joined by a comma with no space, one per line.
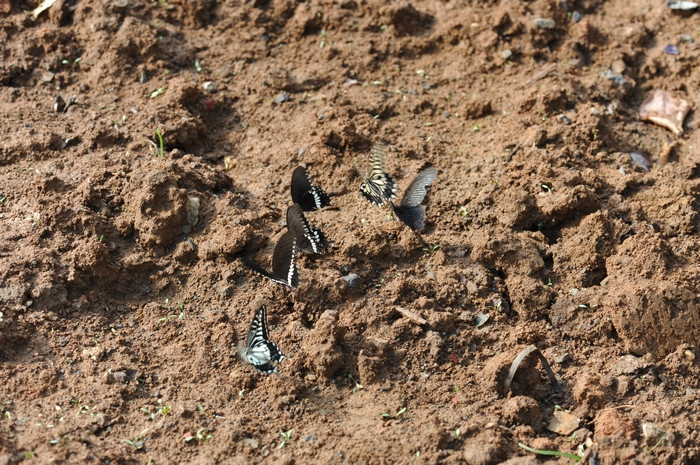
(200,436)
(3,197)
(463,211)
(166,5)
(389,416)
(286,437)
(430,249)
(136,443)
(159,148)
(197,66)
(358,386)
(158,92)
(477,127)
(59,441)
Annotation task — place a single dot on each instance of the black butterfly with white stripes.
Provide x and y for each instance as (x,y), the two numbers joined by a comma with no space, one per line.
(310,240)
(259,351)
(377,186)
(284,266)
(410,211)
(305,193)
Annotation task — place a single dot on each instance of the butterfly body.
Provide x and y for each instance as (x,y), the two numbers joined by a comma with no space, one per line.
(378,187)
(410,211)
(310,240)
(305,193)
(259,351)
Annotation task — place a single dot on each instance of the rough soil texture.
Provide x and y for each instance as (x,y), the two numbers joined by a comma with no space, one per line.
(122,292)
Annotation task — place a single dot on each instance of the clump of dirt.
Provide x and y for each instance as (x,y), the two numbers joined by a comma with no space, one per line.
(123,297)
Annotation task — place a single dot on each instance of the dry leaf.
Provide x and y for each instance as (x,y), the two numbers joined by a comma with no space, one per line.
(665,110)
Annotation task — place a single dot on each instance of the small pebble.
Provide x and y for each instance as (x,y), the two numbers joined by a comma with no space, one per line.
(616,78)
(653,434)
(63,342)
(507,54)
(281,98)
(618,66)
(144,77)
(564,119)
(687,38)
(210,87)
(681,5)
(352,280)
(671,50)
(641,160)
(576,16)
(545,23)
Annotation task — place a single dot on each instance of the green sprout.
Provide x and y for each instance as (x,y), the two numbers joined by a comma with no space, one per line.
(158,92)
(60,440)
(429,249)
(477,127)
(200,436)
(197,66)
(136,443)
(358,386)
(159,148)
(388,416)
(286,437)
(463,211)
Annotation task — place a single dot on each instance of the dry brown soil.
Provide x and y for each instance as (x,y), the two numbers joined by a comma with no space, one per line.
(123,304)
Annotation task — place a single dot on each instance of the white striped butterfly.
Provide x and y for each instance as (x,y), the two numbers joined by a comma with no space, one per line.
(259,351)
(410,211)
(305,193)
(377,186)
(284,266)
(310,240)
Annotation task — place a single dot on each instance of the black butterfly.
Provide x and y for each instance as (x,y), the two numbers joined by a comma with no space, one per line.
(308,196)
(309,239)
(378,186)
(284,266)
(410,211)
(259,351)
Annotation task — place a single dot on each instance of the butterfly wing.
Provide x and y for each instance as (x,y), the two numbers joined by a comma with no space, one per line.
(260,351)
(308,196)
(415,194)
(309,239)
(284,266)
(378,187)
(410,211)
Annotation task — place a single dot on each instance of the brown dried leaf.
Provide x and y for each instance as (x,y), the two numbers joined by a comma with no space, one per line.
(665,110)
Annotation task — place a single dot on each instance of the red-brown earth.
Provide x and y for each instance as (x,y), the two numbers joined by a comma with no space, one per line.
(123,303)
